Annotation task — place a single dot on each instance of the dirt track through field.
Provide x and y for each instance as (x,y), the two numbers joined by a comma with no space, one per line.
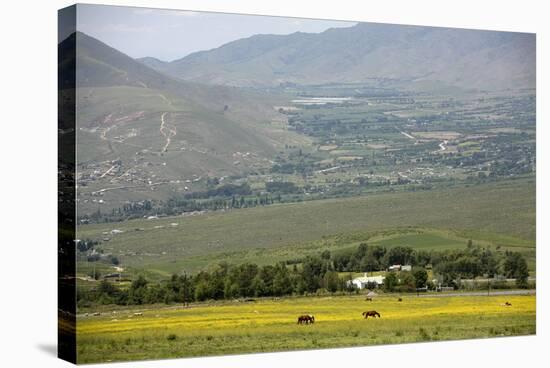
(167,131)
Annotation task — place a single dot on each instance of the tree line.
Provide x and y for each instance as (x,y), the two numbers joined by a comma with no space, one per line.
(322,273)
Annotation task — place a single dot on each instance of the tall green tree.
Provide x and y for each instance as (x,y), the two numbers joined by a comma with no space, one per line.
(390,282)
(138,290)
(407,282)
(313,270)
(515,266)
(282,284)
(420,277)
(331,281)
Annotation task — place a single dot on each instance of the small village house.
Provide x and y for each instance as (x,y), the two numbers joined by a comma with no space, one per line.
(367,281)
(400,268)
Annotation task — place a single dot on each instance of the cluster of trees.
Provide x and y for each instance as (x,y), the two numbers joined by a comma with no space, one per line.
(196,201)
(88,249)
(177,205)
(408,281)
(282,187)
(226,190)
(317,274)
(302,167)
(86,245)
(99,256)
(467,263)
(225,282)
(127,211)
(372,258)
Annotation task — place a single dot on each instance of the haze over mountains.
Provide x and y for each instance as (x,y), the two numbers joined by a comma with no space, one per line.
(469,59)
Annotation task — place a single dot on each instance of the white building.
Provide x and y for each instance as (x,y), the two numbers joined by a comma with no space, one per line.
(400,268)
(363,282)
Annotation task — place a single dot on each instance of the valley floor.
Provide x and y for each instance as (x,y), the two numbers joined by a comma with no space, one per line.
(494,214)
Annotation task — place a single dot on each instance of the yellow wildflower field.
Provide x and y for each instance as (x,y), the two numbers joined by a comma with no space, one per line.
(271,325)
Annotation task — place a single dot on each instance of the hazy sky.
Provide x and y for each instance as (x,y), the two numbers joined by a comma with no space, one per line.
(171,34)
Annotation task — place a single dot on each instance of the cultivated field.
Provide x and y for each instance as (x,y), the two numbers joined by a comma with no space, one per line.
(152,332)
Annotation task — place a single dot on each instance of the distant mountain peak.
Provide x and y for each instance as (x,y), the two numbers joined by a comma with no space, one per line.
(456,57)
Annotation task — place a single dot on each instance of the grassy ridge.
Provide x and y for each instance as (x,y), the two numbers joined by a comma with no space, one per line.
(418,238)
(497,213)
(270,325)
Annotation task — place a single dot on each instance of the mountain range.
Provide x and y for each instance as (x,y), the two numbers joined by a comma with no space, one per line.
(471,59)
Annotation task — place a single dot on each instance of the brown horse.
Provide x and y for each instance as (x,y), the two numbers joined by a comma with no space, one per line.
(373,314)
(306,318)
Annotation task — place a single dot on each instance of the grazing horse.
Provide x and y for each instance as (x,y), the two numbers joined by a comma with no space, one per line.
(373,314)
(306,318)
